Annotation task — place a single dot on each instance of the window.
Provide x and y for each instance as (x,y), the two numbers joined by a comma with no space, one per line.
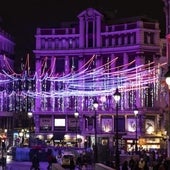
(121,123)
(59,122)
(90,28)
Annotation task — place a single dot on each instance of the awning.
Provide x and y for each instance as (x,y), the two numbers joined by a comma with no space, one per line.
(58,136)
(132,137)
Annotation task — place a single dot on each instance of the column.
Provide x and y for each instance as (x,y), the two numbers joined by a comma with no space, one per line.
(98,34)
(67,65)
(37,106)
(139,33)
(125,60)
(52,84)
(113,63)
(80,68)
(38,39)
(81,30)
(37,123)
(139,61)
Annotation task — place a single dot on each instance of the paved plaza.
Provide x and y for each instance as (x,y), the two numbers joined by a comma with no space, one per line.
(17,165)
(25,165)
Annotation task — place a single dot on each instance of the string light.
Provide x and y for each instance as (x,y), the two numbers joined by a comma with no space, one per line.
(96,82)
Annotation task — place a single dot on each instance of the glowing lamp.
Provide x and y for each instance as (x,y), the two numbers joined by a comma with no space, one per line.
(117,95)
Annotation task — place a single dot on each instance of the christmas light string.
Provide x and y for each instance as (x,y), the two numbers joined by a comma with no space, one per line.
(132,78)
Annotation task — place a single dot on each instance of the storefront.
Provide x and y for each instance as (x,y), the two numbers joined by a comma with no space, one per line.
(144,143)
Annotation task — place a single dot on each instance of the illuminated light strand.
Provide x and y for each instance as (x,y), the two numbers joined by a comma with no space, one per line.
(26,66)
(95,73)
(46,75)
(89,61)
(43,67)
(53,66)
(8,65)
(127,77)
(61,93)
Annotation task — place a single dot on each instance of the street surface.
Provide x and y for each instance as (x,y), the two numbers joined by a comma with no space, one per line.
(18,165)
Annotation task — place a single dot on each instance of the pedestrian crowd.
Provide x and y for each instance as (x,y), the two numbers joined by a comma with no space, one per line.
(146,160)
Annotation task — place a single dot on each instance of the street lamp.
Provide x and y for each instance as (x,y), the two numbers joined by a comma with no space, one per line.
(29,114)
(136,132)
(95,105)
(117,96)
(165,138)
(167,79)
(76,115)
(3,157)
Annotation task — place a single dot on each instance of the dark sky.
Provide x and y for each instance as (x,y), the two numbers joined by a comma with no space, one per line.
(21,17)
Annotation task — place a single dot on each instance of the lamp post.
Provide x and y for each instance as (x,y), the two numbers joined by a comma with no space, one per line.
(167,79)
(136,130)
(95,105)
(76,115)
(164,138)
(29,114)
(117,96)
(3,146)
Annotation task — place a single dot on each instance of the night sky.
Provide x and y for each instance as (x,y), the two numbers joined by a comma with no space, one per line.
(21,17)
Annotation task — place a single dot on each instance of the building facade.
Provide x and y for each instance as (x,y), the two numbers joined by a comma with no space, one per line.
(89,59)
(167,110)
(6,63)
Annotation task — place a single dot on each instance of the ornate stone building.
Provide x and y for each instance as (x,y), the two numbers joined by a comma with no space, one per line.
(89,58)
(6,57)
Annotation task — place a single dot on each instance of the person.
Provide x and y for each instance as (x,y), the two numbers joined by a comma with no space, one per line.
(35,163)
(79,161)
(51,159)
(3,146)
(72,164)
(125,165)
(131,163)
(161,166)
(141,164)
(84,159)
